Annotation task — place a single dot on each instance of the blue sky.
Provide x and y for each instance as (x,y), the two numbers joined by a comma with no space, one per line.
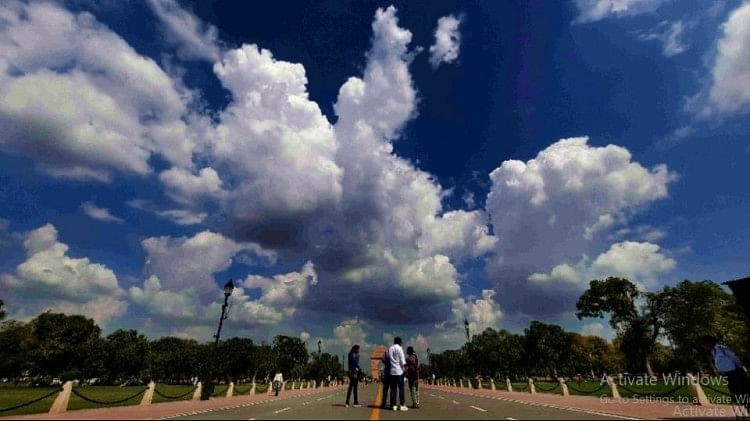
(363,170)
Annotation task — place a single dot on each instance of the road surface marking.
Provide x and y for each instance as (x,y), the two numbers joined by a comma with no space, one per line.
(440,397)
(477,408)
(511,419)
(282,410)
(455,402)
(375,414)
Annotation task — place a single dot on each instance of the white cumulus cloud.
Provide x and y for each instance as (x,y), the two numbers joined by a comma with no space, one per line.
(447,41)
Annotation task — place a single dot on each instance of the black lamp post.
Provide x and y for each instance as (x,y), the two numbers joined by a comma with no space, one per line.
(208,386)
(320,343)
(466,325)
(429,363)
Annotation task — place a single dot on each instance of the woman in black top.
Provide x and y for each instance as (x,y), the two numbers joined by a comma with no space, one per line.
(354,371)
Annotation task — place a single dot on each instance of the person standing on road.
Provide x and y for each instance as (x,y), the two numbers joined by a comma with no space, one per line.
(726,363)
(385,378)
(354,371)
(278,382)
(398,363)
(412,375)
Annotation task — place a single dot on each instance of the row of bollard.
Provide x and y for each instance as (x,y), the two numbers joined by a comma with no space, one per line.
(699,396)
(63,398)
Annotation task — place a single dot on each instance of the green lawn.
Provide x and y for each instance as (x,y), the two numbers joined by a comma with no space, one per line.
(586,387)
(548,387)
(518,387)
(104,394)
(261,388)
(12,396)
(242,389)
(173,390)
(220,390)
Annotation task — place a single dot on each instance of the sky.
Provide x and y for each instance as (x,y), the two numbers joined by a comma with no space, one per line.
(363,170)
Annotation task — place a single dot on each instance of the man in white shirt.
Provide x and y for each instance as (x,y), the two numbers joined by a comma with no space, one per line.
(726,363)
(398,363)
(278,383)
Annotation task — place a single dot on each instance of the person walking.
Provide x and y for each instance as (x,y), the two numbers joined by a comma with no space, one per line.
(354,371)
(278,382)
(726,363)
(398,363)
(412,376)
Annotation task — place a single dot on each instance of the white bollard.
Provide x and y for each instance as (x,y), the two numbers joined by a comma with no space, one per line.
(198,390)
(61,401)
(509,384)
(563,387)
(699,396)
(230,390)
(148,395)
(532,389)
(492,384)
(613,388)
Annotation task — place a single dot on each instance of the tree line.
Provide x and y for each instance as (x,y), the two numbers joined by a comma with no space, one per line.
(66,347)
(654,332)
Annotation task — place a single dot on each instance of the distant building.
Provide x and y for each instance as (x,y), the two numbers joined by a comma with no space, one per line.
(375,357)
(741,290)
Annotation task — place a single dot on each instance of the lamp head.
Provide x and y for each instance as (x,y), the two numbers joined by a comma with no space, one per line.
(228,288)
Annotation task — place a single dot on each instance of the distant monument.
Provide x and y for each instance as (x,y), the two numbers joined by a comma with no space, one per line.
(375,357)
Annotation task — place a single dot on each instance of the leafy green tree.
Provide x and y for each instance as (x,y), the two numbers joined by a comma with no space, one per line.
(694,309)
(237,361)
(127,352)
(639,330)
(545,346)
(15,345)
(324,365)
(176,360)
(62,344)
(289,352)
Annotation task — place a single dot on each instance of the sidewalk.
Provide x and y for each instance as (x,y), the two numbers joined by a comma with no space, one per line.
(169,409)
(602,406)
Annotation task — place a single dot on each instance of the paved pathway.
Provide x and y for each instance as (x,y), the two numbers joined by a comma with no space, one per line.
(159,410)
(437,403)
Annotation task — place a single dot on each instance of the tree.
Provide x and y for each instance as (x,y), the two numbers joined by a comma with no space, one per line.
(176,360)
(126,354)
(15,345)
(237,360)
(289,352)
(2,311)
(617,298)
(62,345)
(694,309)
(545,346)
(324,365)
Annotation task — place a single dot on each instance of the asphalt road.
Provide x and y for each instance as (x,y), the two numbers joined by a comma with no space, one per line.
(434,405)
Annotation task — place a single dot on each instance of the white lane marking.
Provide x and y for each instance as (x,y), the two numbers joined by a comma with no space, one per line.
(477,408)
(511,419)
(440,397)
(282,410)
(456,402)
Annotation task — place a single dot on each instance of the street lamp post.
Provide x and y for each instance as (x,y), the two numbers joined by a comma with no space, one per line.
(208,386)
(466,326)
(320,343)
(429,363)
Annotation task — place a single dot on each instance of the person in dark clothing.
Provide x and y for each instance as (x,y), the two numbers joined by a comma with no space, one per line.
(354,371)
(385,379)
(412,375)
(726,363)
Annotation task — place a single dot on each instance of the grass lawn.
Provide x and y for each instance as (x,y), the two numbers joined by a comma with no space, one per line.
(261,388)
(12,396)
(242,389)
(105,394)
(586,387)
(220,390)
(173,390)
(518,387)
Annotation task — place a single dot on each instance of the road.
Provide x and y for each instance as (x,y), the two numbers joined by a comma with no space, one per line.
(437,405)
